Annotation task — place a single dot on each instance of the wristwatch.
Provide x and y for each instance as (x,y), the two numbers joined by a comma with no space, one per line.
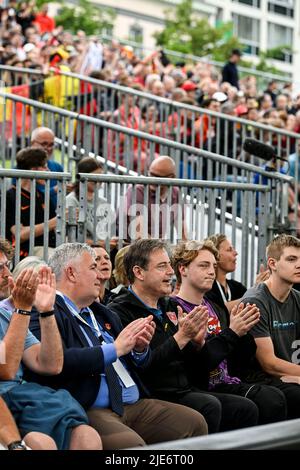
(17,445)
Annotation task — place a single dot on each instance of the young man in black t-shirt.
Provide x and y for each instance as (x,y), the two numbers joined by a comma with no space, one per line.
(277,334)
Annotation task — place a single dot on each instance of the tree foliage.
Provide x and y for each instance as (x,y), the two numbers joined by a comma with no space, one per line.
(83,15)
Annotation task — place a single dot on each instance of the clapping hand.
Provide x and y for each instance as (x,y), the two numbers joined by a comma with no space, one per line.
(146,335)
(46,290)
(24,289)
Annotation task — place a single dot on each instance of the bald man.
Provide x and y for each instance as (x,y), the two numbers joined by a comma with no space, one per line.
(43,137)
(161,211)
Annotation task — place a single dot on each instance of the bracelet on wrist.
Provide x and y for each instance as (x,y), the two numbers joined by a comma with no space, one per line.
(21,311)
(46,314)
(17,445)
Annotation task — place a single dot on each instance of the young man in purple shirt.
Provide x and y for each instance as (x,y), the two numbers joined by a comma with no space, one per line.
(228,345)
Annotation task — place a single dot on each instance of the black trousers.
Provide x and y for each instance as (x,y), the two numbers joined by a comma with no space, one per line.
(292,395)
(222,411)
(270,401)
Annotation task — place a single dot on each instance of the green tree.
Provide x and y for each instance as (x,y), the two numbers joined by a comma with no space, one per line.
(84,15)
(185,32)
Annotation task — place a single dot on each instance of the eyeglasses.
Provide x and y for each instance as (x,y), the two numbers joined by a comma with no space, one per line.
(48,145)
(171,175)
(7,265)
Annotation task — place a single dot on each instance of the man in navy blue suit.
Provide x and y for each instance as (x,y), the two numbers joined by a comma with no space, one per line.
(100,358)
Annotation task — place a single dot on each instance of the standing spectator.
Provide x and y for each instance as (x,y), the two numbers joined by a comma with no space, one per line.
(230,71)
(45,23)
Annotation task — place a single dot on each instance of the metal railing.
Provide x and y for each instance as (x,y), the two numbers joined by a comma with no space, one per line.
(133,149)
(176,209)
(201,128)
(262,77)
(173,120)
(191,209)
(20,208)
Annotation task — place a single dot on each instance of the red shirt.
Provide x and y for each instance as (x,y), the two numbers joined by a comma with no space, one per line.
(45,23)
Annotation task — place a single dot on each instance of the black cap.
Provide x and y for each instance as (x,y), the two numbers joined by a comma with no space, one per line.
(236,52)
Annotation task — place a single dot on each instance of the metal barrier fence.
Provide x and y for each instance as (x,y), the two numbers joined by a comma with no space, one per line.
(198,127)
(122,207)
(22,209)
(262,77)
(133,149)
(174,209)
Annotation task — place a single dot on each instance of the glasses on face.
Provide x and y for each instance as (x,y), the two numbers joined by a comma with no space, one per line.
(48,145)
(7,264)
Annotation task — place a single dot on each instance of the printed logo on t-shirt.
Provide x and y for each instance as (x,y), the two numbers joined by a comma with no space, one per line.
(289,325)
(213,326)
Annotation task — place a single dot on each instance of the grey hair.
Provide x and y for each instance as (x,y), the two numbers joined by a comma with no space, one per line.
(65,253)
(29,262)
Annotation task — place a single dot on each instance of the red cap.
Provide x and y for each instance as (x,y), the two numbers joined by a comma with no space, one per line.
(189,86)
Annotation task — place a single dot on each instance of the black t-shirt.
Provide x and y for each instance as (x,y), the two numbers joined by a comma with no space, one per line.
(25,217)
(237,290)
(279,321)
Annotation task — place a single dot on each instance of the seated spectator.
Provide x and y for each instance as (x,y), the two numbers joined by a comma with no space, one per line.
(177,360)
(29,159)
(119,272)
(104,267)
(228,346)
(98,369)
(43,137)
(228,292)
(161,167)
(277,334)
(53,413)
(98,212)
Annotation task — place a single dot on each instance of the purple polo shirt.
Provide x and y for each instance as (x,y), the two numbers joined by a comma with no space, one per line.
(220,374)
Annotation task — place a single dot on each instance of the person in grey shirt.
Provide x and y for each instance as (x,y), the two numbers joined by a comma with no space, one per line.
(277,334)
(98,210)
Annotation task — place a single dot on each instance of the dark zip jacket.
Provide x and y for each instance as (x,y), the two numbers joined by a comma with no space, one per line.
(173,371)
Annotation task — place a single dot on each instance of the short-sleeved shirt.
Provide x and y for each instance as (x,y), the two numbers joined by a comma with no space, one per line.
(30,340)
(53,166)
(153,221)
(278,320)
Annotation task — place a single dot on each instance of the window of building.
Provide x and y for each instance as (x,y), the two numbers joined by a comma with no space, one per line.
(107,30)
(278,37)
(136,33)
(282,7)
(251,3)
(248,31)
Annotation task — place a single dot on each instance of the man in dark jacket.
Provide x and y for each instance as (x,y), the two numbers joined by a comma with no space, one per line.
(177,359)
(229,348)
(100,360)
(230,72)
